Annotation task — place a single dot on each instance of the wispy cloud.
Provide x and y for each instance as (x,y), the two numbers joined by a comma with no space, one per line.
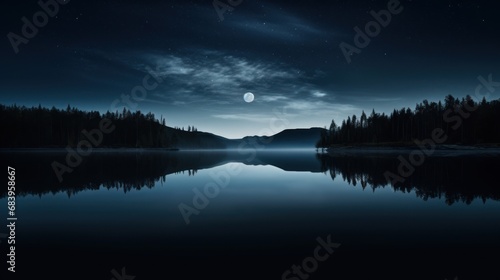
(272,98)
(318,94)
(246,117)
(312,107)
(372,98)
(283,26)
(215,75)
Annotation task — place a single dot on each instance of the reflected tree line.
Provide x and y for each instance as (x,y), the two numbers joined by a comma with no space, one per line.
(456,179)
(118,170)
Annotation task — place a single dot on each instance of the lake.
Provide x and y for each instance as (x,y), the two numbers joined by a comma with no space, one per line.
(268,215)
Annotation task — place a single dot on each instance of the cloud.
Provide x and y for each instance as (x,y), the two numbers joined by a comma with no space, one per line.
(272,98)
(373,99)
(215,81)
(217,78)
(246,117)
(282,26)
(172,65)
(321,109)
(223,69)
(318,94)
(177,103)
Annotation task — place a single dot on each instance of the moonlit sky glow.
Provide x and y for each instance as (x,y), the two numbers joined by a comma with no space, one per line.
(285,52)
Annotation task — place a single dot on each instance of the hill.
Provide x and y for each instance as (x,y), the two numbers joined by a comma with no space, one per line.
(286,139)
(39,127)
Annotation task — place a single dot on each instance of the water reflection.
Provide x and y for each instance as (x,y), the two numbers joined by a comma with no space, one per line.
(456,179)
(463,178)
(265,221)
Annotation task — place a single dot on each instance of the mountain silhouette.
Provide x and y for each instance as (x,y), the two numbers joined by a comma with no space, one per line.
(286,139)
(39,127)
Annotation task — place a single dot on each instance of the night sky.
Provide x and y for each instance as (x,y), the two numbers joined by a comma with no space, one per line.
(93,54)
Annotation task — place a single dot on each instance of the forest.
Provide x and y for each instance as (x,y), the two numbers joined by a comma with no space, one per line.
(39,127)
(464,122)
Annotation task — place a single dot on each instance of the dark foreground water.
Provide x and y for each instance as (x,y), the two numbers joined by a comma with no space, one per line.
(275,215)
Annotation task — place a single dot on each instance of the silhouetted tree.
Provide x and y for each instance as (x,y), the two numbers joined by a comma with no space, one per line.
(464,122)
(41,127)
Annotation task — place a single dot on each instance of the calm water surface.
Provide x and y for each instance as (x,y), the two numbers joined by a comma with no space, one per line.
(263,214)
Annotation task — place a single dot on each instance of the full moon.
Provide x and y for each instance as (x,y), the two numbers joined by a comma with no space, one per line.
(248,97)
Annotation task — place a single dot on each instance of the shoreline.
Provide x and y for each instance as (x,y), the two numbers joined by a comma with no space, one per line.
(60,149)
(438,150)
(370,149)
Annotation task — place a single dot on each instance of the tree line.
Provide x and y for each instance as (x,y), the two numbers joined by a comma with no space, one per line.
(39,127)
(464,121)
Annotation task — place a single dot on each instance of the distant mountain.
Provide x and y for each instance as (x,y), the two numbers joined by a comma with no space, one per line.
(195,139)
(290,138)
(39,127)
